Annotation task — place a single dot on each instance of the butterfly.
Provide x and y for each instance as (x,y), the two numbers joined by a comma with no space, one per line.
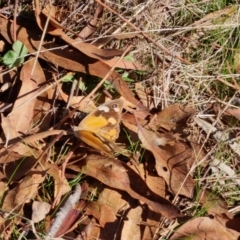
(100,128)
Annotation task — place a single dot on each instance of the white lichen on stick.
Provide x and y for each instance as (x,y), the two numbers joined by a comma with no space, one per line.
(60,216)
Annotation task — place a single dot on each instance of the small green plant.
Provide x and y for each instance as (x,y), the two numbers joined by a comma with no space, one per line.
(15,57)
(71,78)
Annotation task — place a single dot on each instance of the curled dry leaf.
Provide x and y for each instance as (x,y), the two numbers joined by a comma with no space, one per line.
(91,26)
(118,175)
(142,93)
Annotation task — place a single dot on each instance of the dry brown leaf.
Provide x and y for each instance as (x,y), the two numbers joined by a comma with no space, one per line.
(21,148)
(233,112)
(60,183)
(28,188)
(7,80)
(13,156)
(23,167)
(91,231)
(102,212)
(131,228)
(114,199)
(7,155)
(172,117)
(129,122)
(125,64)
(120,203)
(10,209)
(115,174)
(39,211)
(151,221)
(66,58)
(56,29)
(91,26)
(19,119)
(155,183)
(2,46)
(171,164)
(214,203)
(142,94)
(41,114)
(3,188)
(209,228)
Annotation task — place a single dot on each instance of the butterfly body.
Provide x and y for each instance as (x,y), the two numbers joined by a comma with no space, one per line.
(100,128)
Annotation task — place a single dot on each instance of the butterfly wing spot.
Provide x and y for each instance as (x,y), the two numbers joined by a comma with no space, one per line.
(116,108)
(103,108)
(112,134)
(112,120)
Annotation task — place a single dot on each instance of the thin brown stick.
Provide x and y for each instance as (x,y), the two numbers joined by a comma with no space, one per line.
(228,84)
(233,78)
(15,21)
(144,34)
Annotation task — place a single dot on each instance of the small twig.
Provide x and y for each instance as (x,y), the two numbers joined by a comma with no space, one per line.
(74,85)
(64,165)
(228,84)
(144,34)
(42,39)
(15,21)
(60,216)
(233,78)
